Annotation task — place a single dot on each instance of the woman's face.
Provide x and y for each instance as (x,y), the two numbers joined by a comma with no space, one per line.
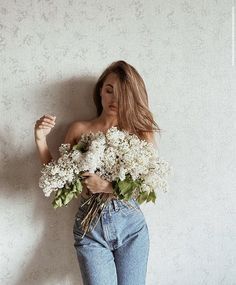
(109,101)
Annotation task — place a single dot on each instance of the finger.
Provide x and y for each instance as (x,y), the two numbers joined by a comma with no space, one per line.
(49,117)
(48,121)
(37,123)
(43,127)
(47,124)
(90,189)
(86,174)
(84,182)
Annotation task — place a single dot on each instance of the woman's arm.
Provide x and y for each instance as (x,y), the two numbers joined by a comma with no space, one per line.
(42,128)
(43,151)
(74,133)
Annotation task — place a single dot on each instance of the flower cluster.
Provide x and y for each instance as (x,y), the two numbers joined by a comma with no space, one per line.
(117,156)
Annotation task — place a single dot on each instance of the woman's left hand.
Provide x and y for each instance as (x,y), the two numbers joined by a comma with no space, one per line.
(96,184)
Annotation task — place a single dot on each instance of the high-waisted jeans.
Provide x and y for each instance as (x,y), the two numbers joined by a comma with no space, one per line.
(116,251)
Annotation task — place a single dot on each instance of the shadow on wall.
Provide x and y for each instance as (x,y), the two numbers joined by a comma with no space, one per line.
(69,101)
(53,260)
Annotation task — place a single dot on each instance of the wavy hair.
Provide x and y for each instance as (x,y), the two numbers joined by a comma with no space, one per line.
(133,110)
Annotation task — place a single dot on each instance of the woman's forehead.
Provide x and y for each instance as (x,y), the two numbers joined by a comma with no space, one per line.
(110,79)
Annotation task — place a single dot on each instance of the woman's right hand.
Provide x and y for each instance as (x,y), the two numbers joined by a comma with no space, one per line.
(43,127)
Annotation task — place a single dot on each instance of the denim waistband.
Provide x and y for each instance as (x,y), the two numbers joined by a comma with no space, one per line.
(116,204)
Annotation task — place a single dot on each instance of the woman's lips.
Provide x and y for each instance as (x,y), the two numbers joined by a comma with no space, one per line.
(112,107)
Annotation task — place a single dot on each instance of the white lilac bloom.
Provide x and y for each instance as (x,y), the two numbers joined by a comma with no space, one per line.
(115,137)
(112,155)
(64,148)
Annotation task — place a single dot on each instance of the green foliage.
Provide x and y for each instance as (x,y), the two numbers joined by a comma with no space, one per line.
(151,196)
(125,190)
(66,194)
(81,146)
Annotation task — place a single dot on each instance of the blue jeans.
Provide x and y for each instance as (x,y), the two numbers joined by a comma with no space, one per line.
(116,251)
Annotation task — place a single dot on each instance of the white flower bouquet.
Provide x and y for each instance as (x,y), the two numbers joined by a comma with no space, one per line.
(131,164)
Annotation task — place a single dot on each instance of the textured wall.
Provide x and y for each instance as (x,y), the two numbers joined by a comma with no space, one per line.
(51,53)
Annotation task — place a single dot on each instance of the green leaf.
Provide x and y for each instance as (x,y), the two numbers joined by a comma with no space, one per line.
(68,197)
(81,146)
(142,197)
(58,193)
(78,185)
(57,203)
(74,188)
(151,196)
(124,186)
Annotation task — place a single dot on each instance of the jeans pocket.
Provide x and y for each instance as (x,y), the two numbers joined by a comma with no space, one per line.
(129,209)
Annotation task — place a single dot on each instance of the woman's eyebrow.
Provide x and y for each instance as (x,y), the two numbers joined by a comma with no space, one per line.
(109,85)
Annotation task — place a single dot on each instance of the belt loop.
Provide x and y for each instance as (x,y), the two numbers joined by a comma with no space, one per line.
(115,205)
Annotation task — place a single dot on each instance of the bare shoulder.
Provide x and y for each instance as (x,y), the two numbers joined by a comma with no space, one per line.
(150,138)
(75,130)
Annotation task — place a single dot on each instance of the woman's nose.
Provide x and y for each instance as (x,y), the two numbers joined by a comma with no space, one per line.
(114,98)
(114,102)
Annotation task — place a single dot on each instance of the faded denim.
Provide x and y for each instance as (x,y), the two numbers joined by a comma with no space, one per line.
(116,251)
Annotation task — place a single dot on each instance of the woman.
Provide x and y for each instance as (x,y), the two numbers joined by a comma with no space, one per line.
(116,250)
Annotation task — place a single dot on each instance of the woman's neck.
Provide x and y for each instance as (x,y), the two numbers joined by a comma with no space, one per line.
(107,121)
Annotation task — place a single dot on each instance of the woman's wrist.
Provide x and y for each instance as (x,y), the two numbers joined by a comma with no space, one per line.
(41,141)
(43,151)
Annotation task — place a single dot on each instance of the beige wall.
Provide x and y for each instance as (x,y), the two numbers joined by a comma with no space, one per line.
(51,53)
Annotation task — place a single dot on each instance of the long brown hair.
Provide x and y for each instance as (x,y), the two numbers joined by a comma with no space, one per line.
(133,110)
